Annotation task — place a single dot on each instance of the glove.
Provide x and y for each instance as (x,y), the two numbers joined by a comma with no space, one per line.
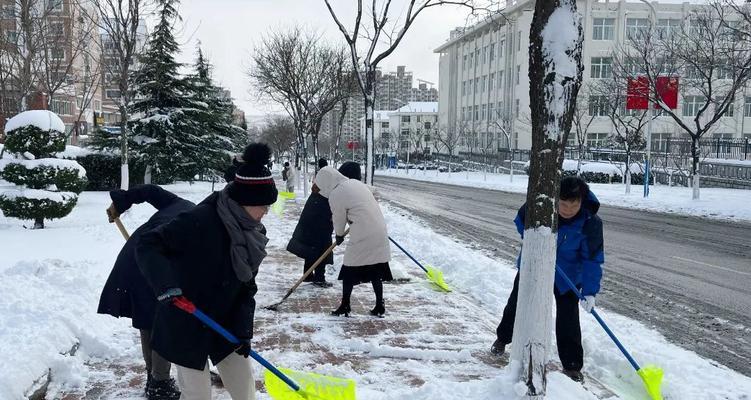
(339,240)
(169,295)
(588,303)
(244,349)
(112,213)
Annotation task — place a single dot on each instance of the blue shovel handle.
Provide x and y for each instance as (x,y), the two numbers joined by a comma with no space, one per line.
(597,317)
(408,255)
(187,306)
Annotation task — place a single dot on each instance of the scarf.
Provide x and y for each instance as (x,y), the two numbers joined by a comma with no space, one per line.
(247,237)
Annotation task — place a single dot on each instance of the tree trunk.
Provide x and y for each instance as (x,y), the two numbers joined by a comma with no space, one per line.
(124,172)
(147,175)
(695,175)
(555,76)
(627,173)
(579,161)
(38,223)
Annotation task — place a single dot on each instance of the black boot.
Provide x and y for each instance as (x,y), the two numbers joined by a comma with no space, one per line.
(574,374)
(342,310)
(498,348)
(379,310)
(162,390)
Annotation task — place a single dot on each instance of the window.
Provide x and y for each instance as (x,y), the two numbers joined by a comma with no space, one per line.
(384,125)
(61,107)
(11,36)
(491,111)
(603,29)
(484,54)
(596,139)
(597,106)
(499,110)
(692,104)
(112,93)
(98,105)
(517,108)
(500,79)
(484,83)
(427,125)
(477,113)
(484,113)
(477,85)
(747,107)
(405,119)
(668,27)
(471,57)
(57,53)
(8,10)
(724,71)
(519,41)
(518,72)
(57,29)
(477,57)
(464,61)
(55,5)
(463,113)
(492,52)
(501,46)
(634,66)
(602,67)
(636,28)
(464,88)
(491,79)
(692,72)
(731,108)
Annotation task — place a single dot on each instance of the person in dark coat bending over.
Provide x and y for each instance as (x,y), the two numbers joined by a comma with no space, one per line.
(580,255)
(211,255)
(127,294)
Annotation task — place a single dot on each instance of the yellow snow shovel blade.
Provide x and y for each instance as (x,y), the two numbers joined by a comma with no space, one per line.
(435,276)
(652,377)
(312,386)
(278,207)
(287,195)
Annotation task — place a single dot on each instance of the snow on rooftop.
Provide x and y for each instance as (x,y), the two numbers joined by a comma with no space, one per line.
(419,107)
(42,119)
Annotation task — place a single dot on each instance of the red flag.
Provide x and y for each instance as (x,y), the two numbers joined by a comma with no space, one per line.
(667,90)
(637,93)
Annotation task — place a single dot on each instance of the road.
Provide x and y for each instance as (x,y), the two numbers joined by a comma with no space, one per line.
(689,278)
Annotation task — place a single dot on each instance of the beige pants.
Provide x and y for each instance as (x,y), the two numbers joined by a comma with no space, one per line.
(236,373)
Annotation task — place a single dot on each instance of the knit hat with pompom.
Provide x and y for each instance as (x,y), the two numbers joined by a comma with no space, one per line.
(253,184)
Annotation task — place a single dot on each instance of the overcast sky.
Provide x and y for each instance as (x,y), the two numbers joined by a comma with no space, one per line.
(229,30)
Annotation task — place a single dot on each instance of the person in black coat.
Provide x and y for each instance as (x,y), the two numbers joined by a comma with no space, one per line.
(211,255)
(312,236)
(351,170)
(127,294)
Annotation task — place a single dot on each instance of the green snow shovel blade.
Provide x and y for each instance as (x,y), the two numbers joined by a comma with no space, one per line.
(652,377)
(435,276)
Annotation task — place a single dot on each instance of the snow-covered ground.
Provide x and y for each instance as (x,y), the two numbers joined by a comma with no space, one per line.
(50,282)
(716,203)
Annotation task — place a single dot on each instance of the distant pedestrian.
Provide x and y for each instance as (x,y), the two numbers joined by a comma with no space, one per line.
(580,255)
(289,176)
(211,255)
(322,163)
(126,292)
(367,256)
(312,236)
(351,170)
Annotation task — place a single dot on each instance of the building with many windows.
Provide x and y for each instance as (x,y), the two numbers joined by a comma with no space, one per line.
(484,81)
(410,128)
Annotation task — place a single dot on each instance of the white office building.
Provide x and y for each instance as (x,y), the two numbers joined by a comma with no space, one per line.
(410,128)
(483,72)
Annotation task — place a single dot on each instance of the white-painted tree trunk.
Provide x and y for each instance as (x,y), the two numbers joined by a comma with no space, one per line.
(369,136)
(695,182)
(124,177)
(628,181)
(535,303)
(147,175)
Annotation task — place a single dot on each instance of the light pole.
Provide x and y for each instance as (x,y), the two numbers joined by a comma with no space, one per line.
(648,160)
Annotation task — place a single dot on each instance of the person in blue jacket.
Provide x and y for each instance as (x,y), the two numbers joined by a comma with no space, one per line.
(126,292)
(580,255)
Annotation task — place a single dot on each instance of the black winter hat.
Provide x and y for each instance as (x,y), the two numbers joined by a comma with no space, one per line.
(253,184)
(351,170)
(322,163)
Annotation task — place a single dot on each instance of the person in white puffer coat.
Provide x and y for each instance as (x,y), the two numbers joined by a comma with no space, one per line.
(368,253)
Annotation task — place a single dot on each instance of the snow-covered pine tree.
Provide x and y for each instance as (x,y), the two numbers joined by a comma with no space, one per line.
(46,187)
(212,112)
(167,138)
(555,73)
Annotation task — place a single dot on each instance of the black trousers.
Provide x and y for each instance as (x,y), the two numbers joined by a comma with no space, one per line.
(318,275)
(567,330)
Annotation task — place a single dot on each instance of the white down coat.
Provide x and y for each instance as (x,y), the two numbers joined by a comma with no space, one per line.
(352,202)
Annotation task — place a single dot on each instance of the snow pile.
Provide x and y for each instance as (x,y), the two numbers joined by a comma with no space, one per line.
(36,194)
(47,162)
(74,152)
(42,119)
(715,203)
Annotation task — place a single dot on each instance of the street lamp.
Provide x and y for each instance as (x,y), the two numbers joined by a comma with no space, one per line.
(648,160)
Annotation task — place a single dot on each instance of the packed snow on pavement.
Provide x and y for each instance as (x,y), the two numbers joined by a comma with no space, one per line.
(715,203)
(51,280)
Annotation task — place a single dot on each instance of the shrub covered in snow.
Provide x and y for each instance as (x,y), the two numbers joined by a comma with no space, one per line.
(46,187)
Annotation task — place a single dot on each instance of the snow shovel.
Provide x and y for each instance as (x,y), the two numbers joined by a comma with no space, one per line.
(651,375)
(433,274)
(275,306)
(279,385)
(121,228)
(287,195)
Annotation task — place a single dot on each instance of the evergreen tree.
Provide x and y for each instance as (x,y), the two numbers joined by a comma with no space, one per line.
(212,111)
(162,127)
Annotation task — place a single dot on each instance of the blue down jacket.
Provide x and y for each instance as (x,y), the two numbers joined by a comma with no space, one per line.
(580,247)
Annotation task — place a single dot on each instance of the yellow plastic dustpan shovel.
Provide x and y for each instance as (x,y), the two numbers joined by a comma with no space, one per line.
(651,375)
(287,195)
(311,386)
(434,275)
